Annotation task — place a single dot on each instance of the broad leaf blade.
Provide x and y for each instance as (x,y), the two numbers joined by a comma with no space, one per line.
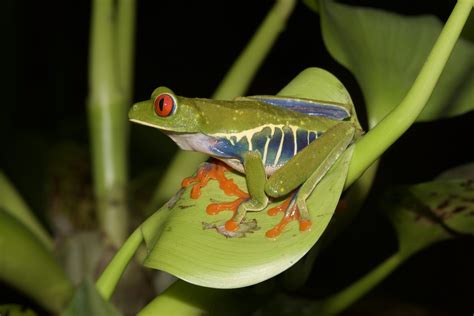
(179,243)
(183,239)
(385,52)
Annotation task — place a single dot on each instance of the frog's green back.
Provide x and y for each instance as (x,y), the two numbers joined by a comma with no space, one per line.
(249,114)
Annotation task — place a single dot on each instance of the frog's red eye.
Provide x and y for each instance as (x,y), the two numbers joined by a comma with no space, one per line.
(165,105)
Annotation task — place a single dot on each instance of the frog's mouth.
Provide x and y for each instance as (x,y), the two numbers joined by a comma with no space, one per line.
(162,128)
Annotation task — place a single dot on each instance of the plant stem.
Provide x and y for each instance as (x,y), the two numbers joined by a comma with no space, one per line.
(235,83)
(343,299)
(405,114)
(240,75)
(110,88)
(114,270)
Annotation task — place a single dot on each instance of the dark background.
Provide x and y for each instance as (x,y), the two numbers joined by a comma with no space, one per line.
(188,46)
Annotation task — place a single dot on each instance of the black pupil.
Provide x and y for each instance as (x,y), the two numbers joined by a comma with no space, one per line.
(161,104)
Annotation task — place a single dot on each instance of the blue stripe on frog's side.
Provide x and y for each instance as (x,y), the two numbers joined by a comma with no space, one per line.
(276,144)
(309,107)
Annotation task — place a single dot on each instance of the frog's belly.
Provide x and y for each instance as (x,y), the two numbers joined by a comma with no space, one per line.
(236,164)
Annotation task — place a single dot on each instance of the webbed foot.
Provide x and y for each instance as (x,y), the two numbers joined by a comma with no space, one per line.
(291,212)
(216,171)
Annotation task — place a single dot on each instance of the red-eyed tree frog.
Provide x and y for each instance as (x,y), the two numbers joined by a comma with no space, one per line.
(281,144)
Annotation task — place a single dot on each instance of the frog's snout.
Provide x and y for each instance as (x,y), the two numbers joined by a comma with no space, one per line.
(132,111)
(138,110)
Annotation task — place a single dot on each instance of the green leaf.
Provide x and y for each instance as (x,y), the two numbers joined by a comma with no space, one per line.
(385,52)
(430,212)
(29,266)
(15,310)
(11,201)
(460,172)
(182,298)
(87,301)
(185,241)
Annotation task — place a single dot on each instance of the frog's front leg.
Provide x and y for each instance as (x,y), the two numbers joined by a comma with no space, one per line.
(256,178)
(306,169)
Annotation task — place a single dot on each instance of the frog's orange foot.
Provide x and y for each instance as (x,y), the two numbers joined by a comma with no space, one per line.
(216,171)
(215,208)
(290,213)
(212,171)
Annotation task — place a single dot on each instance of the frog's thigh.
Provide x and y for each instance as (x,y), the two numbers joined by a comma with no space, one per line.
(312,163)
(256,178)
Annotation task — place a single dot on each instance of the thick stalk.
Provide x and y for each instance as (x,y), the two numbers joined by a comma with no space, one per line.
(109,92)
(125,39)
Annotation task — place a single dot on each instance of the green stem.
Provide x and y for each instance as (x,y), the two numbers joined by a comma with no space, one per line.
(114,270)
(235,83)
(110,81)
(379,139)
(343,299)
(240,75)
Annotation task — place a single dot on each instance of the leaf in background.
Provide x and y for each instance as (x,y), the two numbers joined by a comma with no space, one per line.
(183,298)
(11,202)
(429,212)
(87,301)
(29,266)
(385,52)
(183,239)
(460,172)
(15,310)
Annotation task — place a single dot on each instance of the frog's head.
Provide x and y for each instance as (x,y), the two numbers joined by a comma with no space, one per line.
(167,112)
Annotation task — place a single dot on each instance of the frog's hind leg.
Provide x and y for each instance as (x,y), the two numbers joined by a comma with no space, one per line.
(305,171)
(256,178)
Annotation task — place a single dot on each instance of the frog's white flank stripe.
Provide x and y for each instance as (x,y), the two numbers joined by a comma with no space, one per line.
(265,149)
(280,148)
(293,130)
